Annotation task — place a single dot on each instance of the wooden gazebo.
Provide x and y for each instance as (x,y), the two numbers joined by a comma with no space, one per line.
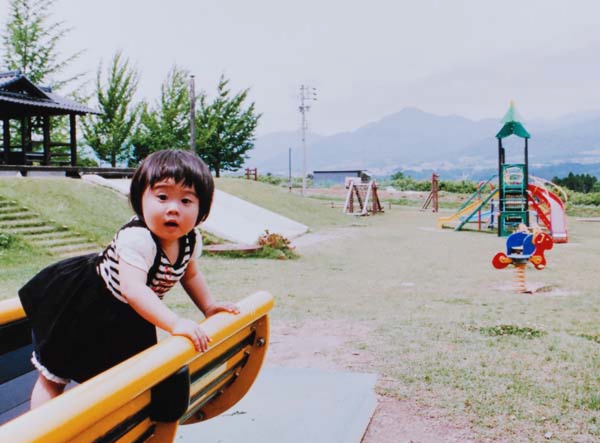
(29,107)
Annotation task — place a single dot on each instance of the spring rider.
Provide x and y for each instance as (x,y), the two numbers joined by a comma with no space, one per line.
(523,247)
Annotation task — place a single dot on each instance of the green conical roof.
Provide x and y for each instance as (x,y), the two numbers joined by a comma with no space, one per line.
(512,125)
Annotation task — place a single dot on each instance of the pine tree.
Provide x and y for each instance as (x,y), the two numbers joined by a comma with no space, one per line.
(224,130)
(31,40)
(109,134)
(167,124)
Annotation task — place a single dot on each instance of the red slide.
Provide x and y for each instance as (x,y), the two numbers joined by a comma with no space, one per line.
(550,210)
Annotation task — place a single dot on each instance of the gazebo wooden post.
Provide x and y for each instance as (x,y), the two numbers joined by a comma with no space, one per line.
(73,140)
(46,135)
(6,139)
(24,139)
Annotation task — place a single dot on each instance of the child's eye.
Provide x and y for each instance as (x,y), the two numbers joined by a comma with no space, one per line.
(186,201)
(162,197)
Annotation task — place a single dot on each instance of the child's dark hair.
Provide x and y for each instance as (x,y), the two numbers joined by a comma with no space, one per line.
(183,167)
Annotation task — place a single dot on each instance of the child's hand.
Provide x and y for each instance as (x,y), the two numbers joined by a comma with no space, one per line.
(193,331)
(215,308)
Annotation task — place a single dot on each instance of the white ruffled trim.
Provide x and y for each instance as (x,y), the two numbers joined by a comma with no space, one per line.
(46,373)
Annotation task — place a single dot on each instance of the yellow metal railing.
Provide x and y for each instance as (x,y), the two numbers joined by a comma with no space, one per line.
(220,377)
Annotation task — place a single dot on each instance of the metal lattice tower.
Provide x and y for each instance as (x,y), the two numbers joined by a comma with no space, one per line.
(306,94)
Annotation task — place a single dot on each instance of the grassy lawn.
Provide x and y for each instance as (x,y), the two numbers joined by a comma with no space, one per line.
(91,210)
(439,324)
(310,212)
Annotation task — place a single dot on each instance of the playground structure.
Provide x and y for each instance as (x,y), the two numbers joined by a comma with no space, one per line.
(523,247)
(480,208)
(366,196)
(472,209)
(432,198)
(146,397)
(516,198)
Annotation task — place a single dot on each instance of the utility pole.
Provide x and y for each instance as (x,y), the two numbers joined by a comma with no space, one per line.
(306,94)
(290,169)
(192,114)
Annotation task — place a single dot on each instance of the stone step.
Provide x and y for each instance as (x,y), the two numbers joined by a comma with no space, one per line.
(49,234)
(35,230)
(7,203)
(11,224)
(11,208)
(79,248)
(17,215)
(61,241)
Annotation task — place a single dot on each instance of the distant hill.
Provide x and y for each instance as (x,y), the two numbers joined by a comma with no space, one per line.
(416,141)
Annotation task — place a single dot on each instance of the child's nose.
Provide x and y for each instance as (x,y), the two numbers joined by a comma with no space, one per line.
(173,207)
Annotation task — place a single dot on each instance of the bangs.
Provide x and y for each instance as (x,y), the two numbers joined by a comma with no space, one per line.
(180,173)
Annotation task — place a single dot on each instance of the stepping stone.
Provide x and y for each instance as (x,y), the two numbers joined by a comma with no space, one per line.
(293,405)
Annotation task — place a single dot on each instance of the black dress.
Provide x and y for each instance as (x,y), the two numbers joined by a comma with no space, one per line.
(80,328)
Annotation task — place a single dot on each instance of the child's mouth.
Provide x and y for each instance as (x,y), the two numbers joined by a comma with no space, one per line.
(171,224)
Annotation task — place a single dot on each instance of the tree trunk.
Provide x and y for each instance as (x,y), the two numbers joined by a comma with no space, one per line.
(113,159)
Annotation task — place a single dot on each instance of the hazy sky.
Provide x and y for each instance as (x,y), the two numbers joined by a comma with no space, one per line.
(367,59)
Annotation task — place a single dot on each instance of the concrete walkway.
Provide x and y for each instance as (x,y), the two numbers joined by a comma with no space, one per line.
(290,405)
(230,218)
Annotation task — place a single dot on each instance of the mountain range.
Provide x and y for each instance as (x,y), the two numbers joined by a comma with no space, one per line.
(417,143)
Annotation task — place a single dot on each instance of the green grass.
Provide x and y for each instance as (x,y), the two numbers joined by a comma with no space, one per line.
(443,327)
(91,210)
(308,211)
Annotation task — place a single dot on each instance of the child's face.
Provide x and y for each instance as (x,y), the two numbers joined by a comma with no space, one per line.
(170,209)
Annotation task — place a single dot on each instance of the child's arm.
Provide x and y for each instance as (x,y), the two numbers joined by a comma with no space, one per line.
(145,302)
(195,285)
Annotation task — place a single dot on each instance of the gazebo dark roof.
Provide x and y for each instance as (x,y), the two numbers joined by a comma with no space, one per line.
(19,97)
(32,106)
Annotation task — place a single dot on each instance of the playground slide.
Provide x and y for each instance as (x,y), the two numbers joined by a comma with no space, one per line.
(465,214)
(555,220)
(442,221)
(144,398)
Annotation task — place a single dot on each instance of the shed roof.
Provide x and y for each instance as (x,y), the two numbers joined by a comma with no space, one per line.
(20,97)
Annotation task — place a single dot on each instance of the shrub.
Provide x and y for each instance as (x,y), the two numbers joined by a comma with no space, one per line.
(6,240)
(276,246)
(503,330)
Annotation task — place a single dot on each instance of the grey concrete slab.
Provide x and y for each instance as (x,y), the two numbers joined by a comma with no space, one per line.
(45,174)
(289,405)
(237,220)
(10,174)
(231,218)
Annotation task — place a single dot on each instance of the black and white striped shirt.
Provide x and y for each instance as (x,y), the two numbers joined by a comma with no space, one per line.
(135,244)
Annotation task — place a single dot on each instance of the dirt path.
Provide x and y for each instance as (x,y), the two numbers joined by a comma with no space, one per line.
(324,345)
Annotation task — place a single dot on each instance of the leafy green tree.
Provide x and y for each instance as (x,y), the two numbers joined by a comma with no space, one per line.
(167,124)
(577,182)
(399,175)
(31,41)
(109,134)
(224,129)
